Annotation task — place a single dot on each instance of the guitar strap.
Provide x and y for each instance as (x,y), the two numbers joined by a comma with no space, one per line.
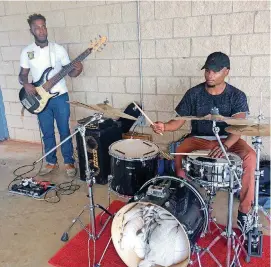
(52,54)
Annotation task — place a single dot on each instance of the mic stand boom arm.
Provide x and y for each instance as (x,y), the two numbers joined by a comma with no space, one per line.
(96,117)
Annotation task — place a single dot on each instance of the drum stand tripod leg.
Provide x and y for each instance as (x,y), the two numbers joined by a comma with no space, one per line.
(99,263)
(108,197)
(90,179)
(255,236)
(200,252)
(91,208)
(211,193)
(229,234)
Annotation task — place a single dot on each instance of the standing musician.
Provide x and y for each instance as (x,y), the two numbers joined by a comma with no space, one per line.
(231,102)
(37,57)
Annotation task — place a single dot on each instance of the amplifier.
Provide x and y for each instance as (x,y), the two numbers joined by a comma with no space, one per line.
(98,139)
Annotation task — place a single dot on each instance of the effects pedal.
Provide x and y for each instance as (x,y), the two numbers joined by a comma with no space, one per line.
(32,188)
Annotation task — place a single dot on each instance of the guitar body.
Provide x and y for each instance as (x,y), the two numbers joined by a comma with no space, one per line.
(36,103)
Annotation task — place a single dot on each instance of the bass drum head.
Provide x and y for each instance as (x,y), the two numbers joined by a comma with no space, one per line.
(127,227)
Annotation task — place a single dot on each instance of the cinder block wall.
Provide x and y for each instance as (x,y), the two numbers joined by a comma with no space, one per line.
(176,38)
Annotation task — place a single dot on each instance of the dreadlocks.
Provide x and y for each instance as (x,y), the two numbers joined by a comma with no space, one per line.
(34,17)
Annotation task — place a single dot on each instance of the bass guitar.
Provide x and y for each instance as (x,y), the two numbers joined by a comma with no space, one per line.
(37,102)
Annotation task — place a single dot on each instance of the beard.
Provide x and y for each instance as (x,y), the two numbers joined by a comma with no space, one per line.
(41,41)
(210,85)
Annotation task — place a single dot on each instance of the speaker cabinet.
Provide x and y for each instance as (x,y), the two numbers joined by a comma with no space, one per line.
(98,139)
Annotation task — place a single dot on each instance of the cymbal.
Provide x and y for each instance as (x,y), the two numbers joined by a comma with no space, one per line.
(107,110)
(255,130)
(219,118)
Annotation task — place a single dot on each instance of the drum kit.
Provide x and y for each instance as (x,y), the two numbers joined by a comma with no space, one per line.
(165,216)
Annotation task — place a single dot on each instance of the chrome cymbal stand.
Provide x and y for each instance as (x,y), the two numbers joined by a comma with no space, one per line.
(255,236)
(90,179)
(229,234)
(233,241)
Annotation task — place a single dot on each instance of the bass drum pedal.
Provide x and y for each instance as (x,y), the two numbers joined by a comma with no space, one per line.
(255,243)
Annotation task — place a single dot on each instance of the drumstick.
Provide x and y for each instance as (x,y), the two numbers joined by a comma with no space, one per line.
(148,119)
(190,154)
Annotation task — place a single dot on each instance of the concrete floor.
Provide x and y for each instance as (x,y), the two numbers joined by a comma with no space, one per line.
(30,229)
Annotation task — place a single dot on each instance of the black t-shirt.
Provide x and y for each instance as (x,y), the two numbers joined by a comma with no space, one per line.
(198,102)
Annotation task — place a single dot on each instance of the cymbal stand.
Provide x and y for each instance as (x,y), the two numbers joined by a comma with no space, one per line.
(233,241)
(90,179)
(255,236)
(229,234)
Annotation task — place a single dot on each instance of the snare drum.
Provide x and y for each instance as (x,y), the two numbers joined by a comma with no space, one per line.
(133,162)
(211,172)
(161,224)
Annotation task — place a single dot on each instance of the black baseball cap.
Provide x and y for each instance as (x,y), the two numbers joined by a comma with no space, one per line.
(217,61)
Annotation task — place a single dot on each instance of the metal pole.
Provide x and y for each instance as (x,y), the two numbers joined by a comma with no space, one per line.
(96,117)
(216,131)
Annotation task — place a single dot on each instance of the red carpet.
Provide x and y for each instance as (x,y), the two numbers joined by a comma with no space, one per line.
(74,253)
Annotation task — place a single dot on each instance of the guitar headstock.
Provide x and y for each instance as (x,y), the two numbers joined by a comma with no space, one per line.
(97,44)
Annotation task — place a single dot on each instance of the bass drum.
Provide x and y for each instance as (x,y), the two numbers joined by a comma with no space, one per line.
(160,225)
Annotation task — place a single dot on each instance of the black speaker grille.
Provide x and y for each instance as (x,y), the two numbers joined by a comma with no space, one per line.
(98,142)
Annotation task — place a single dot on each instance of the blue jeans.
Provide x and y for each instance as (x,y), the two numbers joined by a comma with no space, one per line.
(57,109)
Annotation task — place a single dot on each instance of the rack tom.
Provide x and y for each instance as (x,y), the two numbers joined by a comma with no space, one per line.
(133,162)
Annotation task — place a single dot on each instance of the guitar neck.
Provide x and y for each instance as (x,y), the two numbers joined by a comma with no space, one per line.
(65,70)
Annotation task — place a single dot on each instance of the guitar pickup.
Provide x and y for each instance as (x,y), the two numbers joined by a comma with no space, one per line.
(38,96)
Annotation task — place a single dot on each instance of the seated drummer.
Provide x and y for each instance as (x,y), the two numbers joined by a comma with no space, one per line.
(231,102)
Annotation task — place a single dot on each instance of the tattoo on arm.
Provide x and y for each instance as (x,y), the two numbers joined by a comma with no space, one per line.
(23,76)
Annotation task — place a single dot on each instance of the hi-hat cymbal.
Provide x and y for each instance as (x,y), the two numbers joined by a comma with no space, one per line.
(219,118)
(107,110)
(254,130)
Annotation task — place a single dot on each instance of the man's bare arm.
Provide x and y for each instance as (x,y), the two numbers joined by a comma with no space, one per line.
(23,76)
(170,126)
(174,125)
(23,80)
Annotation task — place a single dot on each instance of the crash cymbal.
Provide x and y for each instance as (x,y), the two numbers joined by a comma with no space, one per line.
(116,112)
(82,105)
(107,110)
(105,106)
(219,118)
(254,130)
